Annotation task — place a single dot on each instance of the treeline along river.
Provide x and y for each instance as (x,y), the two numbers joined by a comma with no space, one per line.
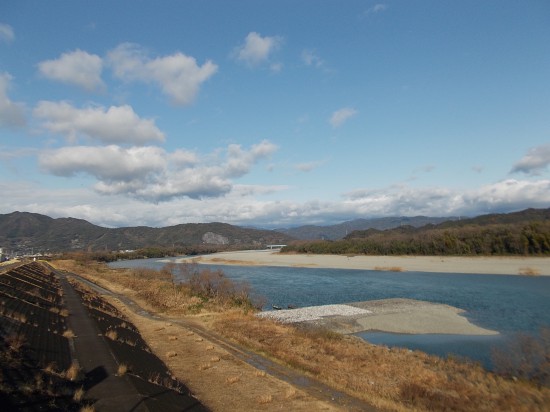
(508,304)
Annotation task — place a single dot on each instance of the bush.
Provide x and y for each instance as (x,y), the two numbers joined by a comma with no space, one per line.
(525,357)
(213,284)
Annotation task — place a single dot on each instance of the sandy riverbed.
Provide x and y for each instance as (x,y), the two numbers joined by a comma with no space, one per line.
(442,264)
(386,315)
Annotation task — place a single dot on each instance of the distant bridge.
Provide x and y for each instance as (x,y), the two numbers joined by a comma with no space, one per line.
(275,246)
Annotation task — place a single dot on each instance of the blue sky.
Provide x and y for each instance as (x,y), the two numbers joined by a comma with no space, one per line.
(273,113)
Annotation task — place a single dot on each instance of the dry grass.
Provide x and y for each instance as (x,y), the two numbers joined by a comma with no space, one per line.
(527,271)
(263,399)
(73,372)
(111,334)
(204,290)
(205,365)
(122,369)
(68,334)
(387,378)
(233,379)
(389,268)
(15,342)
(79,394)
(290,393)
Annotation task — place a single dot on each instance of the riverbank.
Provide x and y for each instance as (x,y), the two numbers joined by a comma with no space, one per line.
(530,266)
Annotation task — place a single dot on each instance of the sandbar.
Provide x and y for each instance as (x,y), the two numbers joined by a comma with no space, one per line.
(498,265)
(406,316)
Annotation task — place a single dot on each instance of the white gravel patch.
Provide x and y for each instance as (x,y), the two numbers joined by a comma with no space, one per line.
(312,313)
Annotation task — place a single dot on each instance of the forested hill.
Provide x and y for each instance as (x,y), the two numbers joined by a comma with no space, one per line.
(24,232)
(521,233)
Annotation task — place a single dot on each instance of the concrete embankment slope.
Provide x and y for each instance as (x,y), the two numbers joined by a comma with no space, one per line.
(60,346)
(387,315)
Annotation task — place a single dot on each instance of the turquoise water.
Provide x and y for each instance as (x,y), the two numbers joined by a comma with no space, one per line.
(508,304)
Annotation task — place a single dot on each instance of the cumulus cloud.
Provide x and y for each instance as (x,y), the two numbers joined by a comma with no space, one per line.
(117,124)
(77,68)
(339,117)
(257,49)
(152,174)
(109,163)
(11,114)
(178,75)
(7,34)
(535,161)
(239,161)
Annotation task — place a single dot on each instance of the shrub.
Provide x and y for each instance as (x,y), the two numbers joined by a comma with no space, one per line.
(526,357)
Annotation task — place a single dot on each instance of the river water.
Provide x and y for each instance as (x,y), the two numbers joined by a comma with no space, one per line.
(508,304)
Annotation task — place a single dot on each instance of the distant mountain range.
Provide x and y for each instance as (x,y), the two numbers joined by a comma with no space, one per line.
(23,232)
(339,231)
(525,233)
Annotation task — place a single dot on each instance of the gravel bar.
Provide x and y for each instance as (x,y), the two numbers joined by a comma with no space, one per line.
(313,313)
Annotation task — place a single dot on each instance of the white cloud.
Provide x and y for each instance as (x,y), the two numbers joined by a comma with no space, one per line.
(339,117)
(184,158)
(11,114)
(77,68)
(257,49)
(7,34)
(151,174)
(276,67)
(310,58)
(243,206)
(307,166)
(377,8)
(506,195)
(535,161)
(240,161)
(117,124)
(109,163)
(178,75)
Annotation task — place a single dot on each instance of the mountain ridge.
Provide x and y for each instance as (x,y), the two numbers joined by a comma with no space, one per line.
(26,232)
(340,230)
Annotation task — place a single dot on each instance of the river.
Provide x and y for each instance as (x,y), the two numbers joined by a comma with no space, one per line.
(508,304)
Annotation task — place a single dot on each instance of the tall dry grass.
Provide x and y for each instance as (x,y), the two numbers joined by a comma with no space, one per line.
(200,290)
(397,379)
